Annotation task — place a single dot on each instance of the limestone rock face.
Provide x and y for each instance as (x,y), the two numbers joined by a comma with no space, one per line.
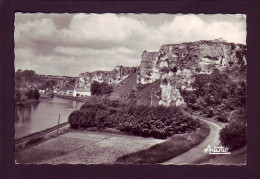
(177,65)
(110,77)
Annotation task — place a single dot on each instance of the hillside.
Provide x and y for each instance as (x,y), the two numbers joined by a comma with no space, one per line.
(174,68)
(149,94)
(125,87)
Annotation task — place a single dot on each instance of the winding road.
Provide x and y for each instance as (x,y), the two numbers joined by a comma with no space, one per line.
(197,153)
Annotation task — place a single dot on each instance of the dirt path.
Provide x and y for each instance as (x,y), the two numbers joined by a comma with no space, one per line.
(197,153)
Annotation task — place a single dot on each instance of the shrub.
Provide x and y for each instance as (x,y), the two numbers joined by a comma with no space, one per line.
(238,116)
(194,107)
(100,88)
(221,118)
(74,119)
(146,121)
(233,135)
(208,112)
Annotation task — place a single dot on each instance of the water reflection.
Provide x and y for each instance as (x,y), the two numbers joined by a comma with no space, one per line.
(34,118)
(23,113)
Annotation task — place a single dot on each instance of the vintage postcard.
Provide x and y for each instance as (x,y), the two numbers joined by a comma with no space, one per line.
(166,89)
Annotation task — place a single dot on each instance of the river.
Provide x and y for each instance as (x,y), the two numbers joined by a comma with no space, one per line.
(37,117)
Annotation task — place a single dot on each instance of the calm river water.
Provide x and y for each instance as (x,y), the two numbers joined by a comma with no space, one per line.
(38,117)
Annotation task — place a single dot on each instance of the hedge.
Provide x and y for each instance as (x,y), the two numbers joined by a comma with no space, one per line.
(146,121)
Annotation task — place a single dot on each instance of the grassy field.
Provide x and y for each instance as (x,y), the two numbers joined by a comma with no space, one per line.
(169,149)
(84,147)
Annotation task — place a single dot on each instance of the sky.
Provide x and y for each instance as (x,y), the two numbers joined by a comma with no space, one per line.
(70,44)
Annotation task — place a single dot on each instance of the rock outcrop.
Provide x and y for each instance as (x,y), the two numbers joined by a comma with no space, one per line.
(110,77)
(177,65)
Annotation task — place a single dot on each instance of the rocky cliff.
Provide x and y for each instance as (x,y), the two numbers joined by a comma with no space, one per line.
(176,65)
(163,74)
(110,77)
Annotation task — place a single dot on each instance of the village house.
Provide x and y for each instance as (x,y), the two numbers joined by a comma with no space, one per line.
(69,92)
(81,92)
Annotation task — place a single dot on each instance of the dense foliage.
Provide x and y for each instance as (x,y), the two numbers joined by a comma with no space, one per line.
(216,95)
(21,77)
(24,95)
(29,78)
(147,121)
(233,135)
(33,94)
(220,97)
(18,95)
(100,88)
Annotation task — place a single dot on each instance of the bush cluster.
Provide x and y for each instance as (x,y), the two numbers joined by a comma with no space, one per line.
(146,121)
(100,88)
(33,94)
(233,135)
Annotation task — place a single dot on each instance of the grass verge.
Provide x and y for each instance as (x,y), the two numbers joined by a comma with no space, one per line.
(32,141)
(174,146)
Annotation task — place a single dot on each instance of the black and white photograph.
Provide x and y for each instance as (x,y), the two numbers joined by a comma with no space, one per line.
(128,88)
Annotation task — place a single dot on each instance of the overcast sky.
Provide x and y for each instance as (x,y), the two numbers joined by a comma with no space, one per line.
(69,44)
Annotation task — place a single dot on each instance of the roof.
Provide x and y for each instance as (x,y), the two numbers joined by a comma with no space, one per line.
(82,90)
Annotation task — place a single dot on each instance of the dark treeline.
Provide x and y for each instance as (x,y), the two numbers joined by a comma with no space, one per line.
(29,78)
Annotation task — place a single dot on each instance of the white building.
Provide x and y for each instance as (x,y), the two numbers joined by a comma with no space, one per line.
(69,92)
(81,92)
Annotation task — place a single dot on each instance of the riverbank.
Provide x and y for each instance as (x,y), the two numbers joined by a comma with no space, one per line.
(36,138)
(79,99)
(46,114)
(28,102)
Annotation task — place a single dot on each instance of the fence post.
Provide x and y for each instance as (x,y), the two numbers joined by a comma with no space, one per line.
(58,125)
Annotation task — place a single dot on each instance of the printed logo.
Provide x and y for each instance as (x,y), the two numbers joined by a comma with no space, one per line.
(216,150)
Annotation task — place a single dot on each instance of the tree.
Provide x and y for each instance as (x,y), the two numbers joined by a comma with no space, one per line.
(18,77)
(95,88)
(36,94)
(100,88)
(29,75)
(17,95)
(105,88)
(29,94)
(33,94)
